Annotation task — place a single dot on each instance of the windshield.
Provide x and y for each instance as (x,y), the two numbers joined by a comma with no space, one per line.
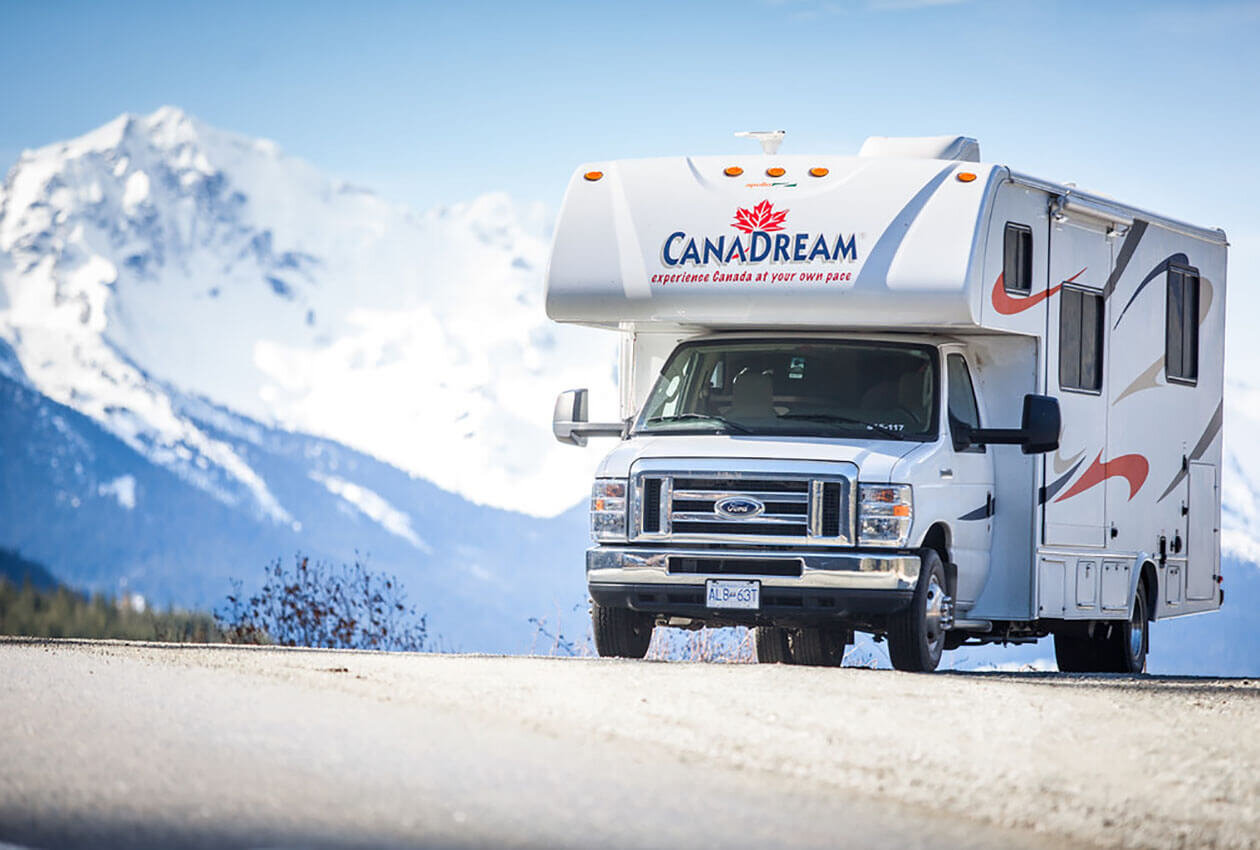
(841,388)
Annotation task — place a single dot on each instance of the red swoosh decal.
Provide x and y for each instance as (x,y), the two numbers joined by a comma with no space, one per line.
(1133,468)
(1008,306)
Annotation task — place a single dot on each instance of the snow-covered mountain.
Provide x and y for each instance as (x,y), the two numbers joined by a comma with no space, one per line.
(157,254)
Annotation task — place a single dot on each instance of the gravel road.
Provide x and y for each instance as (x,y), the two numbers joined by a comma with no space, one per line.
(113,744)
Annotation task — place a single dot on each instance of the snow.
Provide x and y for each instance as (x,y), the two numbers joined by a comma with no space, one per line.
(374,507)
(136,189)
(157,255)
(122,488)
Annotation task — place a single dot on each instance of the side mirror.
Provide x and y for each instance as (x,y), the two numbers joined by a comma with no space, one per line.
(1038,433)
(1042,424)
(570,422)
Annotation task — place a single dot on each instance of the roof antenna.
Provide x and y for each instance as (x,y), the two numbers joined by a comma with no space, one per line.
(770,139)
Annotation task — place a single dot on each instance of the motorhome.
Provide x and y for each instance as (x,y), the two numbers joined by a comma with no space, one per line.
(908,393)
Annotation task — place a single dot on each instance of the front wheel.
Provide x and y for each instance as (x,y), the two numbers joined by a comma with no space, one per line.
(916,636)
(620,632)
(771,644)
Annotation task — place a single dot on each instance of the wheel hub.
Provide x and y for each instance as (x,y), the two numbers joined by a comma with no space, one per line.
(939,615)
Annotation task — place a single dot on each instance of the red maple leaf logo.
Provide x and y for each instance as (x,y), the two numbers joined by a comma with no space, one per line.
(761,217)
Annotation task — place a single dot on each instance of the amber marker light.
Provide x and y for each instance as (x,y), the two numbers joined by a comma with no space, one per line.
(775,172)
(593,175)
(818,172)
(965,177)
(733,171)
(901,510)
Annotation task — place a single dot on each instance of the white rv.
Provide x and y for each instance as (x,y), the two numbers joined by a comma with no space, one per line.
(906,393)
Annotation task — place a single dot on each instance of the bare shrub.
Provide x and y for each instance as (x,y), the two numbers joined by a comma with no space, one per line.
(727,645)
(316,604)
(551,637)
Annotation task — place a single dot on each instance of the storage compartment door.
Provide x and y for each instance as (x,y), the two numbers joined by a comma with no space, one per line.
(1205,543)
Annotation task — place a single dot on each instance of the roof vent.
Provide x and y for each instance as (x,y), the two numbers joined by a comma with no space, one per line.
(960,148)
(769,139)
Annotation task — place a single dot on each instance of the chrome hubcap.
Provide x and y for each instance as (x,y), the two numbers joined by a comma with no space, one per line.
(1137,631)
(938,615)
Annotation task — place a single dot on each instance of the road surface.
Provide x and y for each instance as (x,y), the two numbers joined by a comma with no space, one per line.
(114,744)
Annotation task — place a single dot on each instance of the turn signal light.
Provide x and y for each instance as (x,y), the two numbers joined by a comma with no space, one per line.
(818,172)
(733,171)
(965,177)
(593,175)
(775,172)
(901,510)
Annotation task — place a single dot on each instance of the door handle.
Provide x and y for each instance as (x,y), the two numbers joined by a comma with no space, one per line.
(947,473)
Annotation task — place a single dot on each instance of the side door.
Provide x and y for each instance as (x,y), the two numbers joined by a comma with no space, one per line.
(1074,496)
(972,469)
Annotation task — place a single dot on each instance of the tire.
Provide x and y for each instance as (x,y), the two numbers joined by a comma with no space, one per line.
(1130,640)
(1075,654)
(818,647)
(915,637)
(771,644)
(620,632)
(1117,646)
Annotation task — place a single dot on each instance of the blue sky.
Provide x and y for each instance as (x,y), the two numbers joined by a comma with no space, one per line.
(1153,102)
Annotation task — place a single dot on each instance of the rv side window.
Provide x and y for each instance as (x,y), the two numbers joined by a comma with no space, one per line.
(963,409)
(1080,340)
(1181,339)
(1017,258)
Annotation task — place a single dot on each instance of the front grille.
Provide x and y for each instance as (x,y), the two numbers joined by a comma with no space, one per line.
(652,505)
(796,508)
(830,509)
(736,566)
(786,501)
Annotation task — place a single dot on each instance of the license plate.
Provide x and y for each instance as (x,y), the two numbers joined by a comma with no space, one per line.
(732,594)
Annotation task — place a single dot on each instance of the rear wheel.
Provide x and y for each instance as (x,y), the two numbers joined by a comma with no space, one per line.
(818,647)
(620,632)
(1116,646)
(916,636)
(771,643)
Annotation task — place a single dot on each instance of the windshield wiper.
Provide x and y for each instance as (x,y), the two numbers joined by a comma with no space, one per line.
(844,420)
(726,423)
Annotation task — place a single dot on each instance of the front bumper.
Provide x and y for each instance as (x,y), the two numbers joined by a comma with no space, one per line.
(831,585)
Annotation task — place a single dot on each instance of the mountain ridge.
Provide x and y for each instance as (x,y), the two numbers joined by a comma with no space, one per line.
(156,251)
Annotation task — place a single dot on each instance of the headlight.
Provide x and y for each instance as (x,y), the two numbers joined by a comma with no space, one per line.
(608,509)
(885,512)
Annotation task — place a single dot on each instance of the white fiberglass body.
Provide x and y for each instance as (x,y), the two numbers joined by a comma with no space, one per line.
(785,281)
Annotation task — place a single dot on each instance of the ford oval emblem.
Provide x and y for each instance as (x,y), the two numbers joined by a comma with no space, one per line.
(738,507)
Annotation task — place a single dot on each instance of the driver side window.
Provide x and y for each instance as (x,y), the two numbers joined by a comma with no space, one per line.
(963,410)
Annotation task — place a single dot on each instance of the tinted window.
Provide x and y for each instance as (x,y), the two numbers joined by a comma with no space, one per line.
(1080,340)
(963,410)
(868,390)
(1181,340)
(1017,258)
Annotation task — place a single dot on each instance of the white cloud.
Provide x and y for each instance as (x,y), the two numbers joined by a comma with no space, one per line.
(122,488)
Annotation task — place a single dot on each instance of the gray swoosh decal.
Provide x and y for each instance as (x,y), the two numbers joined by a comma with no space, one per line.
(1061,464)
(1050,490)
(1209,434)
(1154,273)
(1131,240)
(983,512)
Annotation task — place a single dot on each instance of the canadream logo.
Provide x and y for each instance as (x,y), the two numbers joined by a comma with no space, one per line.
(764,240)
